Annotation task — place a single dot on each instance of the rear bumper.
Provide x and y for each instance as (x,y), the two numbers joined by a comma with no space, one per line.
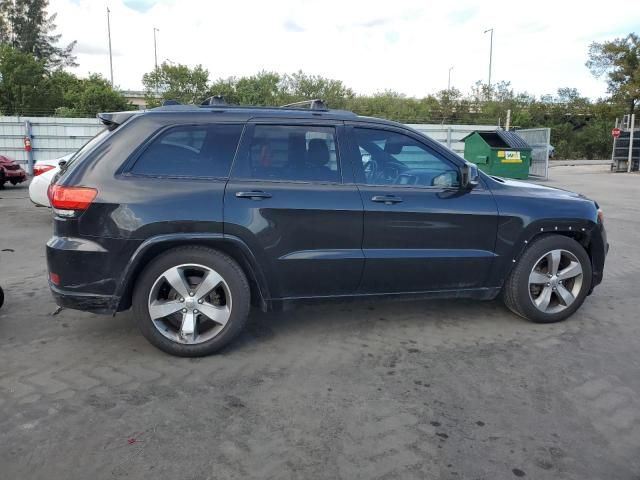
(88,272)
(15,175)
(87,302)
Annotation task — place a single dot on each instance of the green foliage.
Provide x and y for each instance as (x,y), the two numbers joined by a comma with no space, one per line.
(88,96)
(24,84)
(619,59)
(26,26)
(175,82)
(27,87)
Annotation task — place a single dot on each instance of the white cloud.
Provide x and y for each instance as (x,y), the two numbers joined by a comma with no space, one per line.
(402,45)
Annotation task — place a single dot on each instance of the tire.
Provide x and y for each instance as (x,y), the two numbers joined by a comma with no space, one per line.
(231,296)
(528,299)
(2,179)
(1,297)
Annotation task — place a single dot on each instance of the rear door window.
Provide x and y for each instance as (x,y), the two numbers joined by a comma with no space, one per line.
(293,153)
(190,151)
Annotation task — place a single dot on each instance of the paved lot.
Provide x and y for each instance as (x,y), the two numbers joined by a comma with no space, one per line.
(370,390)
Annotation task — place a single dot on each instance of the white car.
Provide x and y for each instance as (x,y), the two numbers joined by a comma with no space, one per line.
(43,172)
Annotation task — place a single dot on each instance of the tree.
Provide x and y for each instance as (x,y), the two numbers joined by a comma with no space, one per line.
(26,26)
(620,61)
(300,86)
(24,85)
(175,82)
(87,96)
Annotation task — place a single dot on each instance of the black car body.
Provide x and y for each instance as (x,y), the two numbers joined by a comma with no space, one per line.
(354,218)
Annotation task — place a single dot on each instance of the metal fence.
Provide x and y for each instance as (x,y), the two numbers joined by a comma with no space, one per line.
(54,137)
(51,137)
(539,140)
(450,135)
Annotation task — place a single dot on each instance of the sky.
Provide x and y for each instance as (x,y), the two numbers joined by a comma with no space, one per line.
(403,45)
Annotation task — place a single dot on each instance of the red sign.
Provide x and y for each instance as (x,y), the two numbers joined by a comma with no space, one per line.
(615,132)
(27,144)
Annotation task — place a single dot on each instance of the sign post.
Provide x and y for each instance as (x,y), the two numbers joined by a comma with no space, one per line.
(630,157)
(27,146)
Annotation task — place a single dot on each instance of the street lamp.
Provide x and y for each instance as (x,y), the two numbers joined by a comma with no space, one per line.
(490,55)
(155,49)
(110,56)
(449,81)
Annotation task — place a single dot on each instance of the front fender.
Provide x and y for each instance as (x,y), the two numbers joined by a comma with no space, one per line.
(513,240)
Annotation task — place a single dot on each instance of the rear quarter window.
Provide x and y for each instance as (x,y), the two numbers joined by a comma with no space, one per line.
(190,151)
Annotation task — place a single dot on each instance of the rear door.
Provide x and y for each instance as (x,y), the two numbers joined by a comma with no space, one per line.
(299,211)
(421,231)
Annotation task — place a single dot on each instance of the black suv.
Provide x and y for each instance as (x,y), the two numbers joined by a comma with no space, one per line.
(190,214)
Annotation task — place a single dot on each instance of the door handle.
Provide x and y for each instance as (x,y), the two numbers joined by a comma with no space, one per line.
(386,199)
(253,195)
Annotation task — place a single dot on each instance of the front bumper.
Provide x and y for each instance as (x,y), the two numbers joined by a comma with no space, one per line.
(598,250)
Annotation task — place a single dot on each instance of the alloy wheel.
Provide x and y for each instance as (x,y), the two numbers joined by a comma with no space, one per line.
(555,281)
(190,303)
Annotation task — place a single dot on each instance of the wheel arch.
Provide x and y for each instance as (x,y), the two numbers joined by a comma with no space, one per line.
(229,245)
(580,230)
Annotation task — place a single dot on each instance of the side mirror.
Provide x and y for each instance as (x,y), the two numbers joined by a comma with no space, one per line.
(469,176)
(62,163)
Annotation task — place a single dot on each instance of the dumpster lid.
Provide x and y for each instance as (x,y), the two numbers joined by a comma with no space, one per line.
(502,139)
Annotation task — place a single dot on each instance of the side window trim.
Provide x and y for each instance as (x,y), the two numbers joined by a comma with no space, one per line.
(126,169)
(241,166)
(357,160)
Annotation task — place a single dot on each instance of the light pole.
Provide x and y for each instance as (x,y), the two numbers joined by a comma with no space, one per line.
(110,56)
(155,48)
(449,81)
(490,56)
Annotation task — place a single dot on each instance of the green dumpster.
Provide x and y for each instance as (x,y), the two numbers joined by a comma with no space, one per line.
(498,152)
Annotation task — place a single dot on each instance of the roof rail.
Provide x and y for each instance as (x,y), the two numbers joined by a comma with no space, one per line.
(170,102)
(216,100)
(315,104)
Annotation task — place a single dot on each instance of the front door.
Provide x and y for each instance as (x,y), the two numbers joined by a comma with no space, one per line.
(287,199)
(421,231)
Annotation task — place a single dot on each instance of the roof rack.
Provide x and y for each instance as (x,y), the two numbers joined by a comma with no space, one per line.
(315,104)
(216,100)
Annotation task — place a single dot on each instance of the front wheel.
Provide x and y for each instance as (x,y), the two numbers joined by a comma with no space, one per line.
(191,301)
(550,281)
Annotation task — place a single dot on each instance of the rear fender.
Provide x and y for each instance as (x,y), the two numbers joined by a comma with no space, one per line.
(230,245)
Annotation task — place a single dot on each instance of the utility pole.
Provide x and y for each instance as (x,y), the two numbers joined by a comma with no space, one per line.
(449,81)
(490,56)
(110,55)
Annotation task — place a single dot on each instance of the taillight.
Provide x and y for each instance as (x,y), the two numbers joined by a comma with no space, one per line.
(40,169)
(71,198)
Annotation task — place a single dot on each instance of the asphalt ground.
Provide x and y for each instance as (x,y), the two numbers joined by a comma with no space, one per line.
(384,389)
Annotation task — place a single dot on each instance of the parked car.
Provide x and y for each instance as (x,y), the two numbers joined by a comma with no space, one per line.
(190,214)
(43,172)
(11,171)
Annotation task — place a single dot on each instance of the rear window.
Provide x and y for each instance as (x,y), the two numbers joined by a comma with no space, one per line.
(190,151)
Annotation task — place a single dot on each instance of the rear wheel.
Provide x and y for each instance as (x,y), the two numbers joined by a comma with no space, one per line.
(2,179)
(191,301)
(550,281)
